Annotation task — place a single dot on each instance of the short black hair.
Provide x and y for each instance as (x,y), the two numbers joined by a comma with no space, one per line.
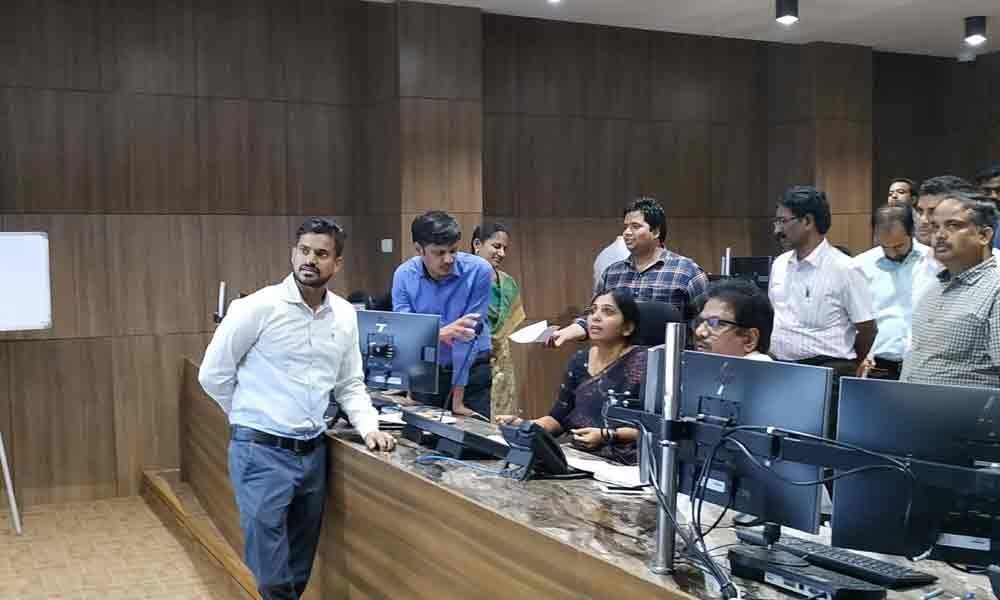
(323,226)
(913,184)
(805,200)
(435,227)
(984,211)
(885,216)
(987,172)
(945,184)
(627,305)
(751,307)
(486,231)
(652,212)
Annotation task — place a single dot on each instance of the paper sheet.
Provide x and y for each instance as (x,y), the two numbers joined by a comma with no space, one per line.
(620,475)
(536,333)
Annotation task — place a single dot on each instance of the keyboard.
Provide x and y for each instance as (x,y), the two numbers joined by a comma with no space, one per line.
(856,565)
(804,579)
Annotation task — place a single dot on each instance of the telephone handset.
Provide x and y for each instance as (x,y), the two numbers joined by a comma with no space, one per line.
(534,448)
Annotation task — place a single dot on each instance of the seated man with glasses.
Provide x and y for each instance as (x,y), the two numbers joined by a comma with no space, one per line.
(736,320)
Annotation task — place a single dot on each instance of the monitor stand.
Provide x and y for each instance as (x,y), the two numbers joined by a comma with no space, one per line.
(767,553)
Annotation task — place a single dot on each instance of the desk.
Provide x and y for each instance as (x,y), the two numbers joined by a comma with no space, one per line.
(398,529)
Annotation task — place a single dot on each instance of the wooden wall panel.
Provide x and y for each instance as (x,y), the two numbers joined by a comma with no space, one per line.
(64,45)
(680,78)
(851,230)
(158,134)
(325,52)
(500,64)
(791,151)
(157,263)
(606,179)
(220,37)
(549,54)
(738,170)
(844,164)
(618,82)
(324,144)
(440,50)
(267,158)
(156,46)
(791,88)
(441,155)
(849,69)
(57,153)
(79,255)
(62,420)
(382,181)
(500,160)
(271,30)
(380,81)
(738,80)
(551,165)
(223,152)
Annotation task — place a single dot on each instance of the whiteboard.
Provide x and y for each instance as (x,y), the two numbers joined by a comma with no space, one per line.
(25,292)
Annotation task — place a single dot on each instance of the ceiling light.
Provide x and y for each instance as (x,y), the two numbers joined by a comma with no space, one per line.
(786,11)
(975,30)
(554,1)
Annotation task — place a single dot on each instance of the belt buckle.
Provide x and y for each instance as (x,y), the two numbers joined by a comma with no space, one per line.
(300,446)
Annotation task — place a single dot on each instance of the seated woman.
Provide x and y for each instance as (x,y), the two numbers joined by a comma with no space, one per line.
(736,319)
(612,363)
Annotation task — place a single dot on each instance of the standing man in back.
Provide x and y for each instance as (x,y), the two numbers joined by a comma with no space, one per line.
(272,365)
(822,306)
(651,272)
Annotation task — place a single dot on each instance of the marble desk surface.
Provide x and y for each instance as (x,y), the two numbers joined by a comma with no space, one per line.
(617,529)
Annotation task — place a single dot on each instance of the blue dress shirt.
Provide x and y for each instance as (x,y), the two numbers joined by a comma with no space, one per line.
(891,285)
(466,290)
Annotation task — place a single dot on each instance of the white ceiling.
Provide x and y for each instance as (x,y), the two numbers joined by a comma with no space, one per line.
(913,26)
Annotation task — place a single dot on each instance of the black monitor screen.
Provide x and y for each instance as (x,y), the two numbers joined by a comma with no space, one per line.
(755,268)
(751,392)
(948,424)
(399,350)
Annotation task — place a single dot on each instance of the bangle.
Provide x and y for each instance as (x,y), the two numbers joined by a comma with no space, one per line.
(611,436)
(604,434)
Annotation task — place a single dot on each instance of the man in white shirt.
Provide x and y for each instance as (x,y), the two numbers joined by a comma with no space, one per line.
(822,306)
(615,251)
(736,320)
(272,365)
(890,268)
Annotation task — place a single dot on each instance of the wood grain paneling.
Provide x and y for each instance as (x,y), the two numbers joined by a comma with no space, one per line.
(791,89)
(271,30)
(325,52)
(738,70)
(551,165)
(382,183)
(549,55)
(853,231)
(79,254)
(791,153)
(606,183)
(440,51)
(58,155)
(679,167)
(267,158)
(618,83)
(843,81)
(500,160)
(540,372)
(157,264)
(148,371)
(220,37)
(739,170)
(156,46)
(381,77)
(223,152)
(57,45)
(501,87)
(441,155)
(844,164)
(324,144)
(62,420)
(158,135)
(680,78)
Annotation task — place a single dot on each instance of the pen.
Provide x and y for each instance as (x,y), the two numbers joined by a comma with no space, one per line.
(932,594)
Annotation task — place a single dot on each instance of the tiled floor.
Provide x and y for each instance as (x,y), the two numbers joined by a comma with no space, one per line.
(109,549)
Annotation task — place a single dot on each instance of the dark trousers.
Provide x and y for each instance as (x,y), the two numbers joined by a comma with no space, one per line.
(886,369)
(280,495)
(477,390)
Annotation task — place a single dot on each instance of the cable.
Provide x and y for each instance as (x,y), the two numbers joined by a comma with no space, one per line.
(505,472)
(966,569)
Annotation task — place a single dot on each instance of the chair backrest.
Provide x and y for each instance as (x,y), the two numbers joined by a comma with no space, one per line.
(653,319)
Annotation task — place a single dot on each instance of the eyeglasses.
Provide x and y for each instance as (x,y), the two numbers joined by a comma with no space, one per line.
(713,323)
(783,221)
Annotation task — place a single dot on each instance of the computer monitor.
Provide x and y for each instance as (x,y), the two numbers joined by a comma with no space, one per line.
(399,350)
(948,424)
(751,392)
(755,268)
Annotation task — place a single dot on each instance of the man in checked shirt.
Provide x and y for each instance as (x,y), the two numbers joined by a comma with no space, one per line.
(651,272)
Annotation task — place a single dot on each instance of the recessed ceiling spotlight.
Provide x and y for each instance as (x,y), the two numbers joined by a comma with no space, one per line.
(786,11)
(554,1)
(975,31)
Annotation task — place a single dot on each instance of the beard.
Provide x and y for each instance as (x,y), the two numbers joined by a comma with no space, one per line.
(316,282)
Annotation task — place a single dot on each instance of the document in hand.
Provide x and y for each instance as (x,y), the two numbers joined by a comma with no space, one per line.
(536,333)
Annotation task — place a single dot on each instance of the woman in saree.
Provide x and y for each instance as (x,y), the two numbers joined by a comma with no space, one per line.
(491,241)
(612,362)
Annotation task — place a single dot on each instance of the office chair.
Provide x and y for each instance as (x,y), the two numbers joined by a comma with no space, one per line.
(653,319)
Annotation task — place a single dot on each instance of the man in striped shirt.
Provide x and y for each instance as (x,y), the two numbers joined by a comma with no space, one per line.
(823,312)
(651,272)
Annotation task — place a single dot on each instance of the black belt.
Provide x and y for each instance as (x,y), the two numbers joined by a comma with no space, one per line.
(888,365)
(266,439)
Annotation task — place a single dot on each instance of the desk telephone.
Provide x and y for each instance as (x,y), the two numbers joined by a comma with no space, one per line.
(534,448)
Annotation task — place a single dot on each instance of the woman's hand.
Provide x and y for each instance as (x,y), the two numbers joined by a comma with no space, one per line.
(511,420)
(587,438)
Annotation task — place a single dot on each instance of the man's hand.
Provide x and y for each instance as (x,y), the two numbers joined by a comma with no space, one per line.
(568,333)
(463,329)
(511,420)
(587,438)
(380,440)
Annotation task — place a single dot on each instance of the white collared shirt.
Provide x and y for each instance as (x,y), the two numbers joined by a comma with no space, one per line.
(817,301)
(273,362)
(615,251)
